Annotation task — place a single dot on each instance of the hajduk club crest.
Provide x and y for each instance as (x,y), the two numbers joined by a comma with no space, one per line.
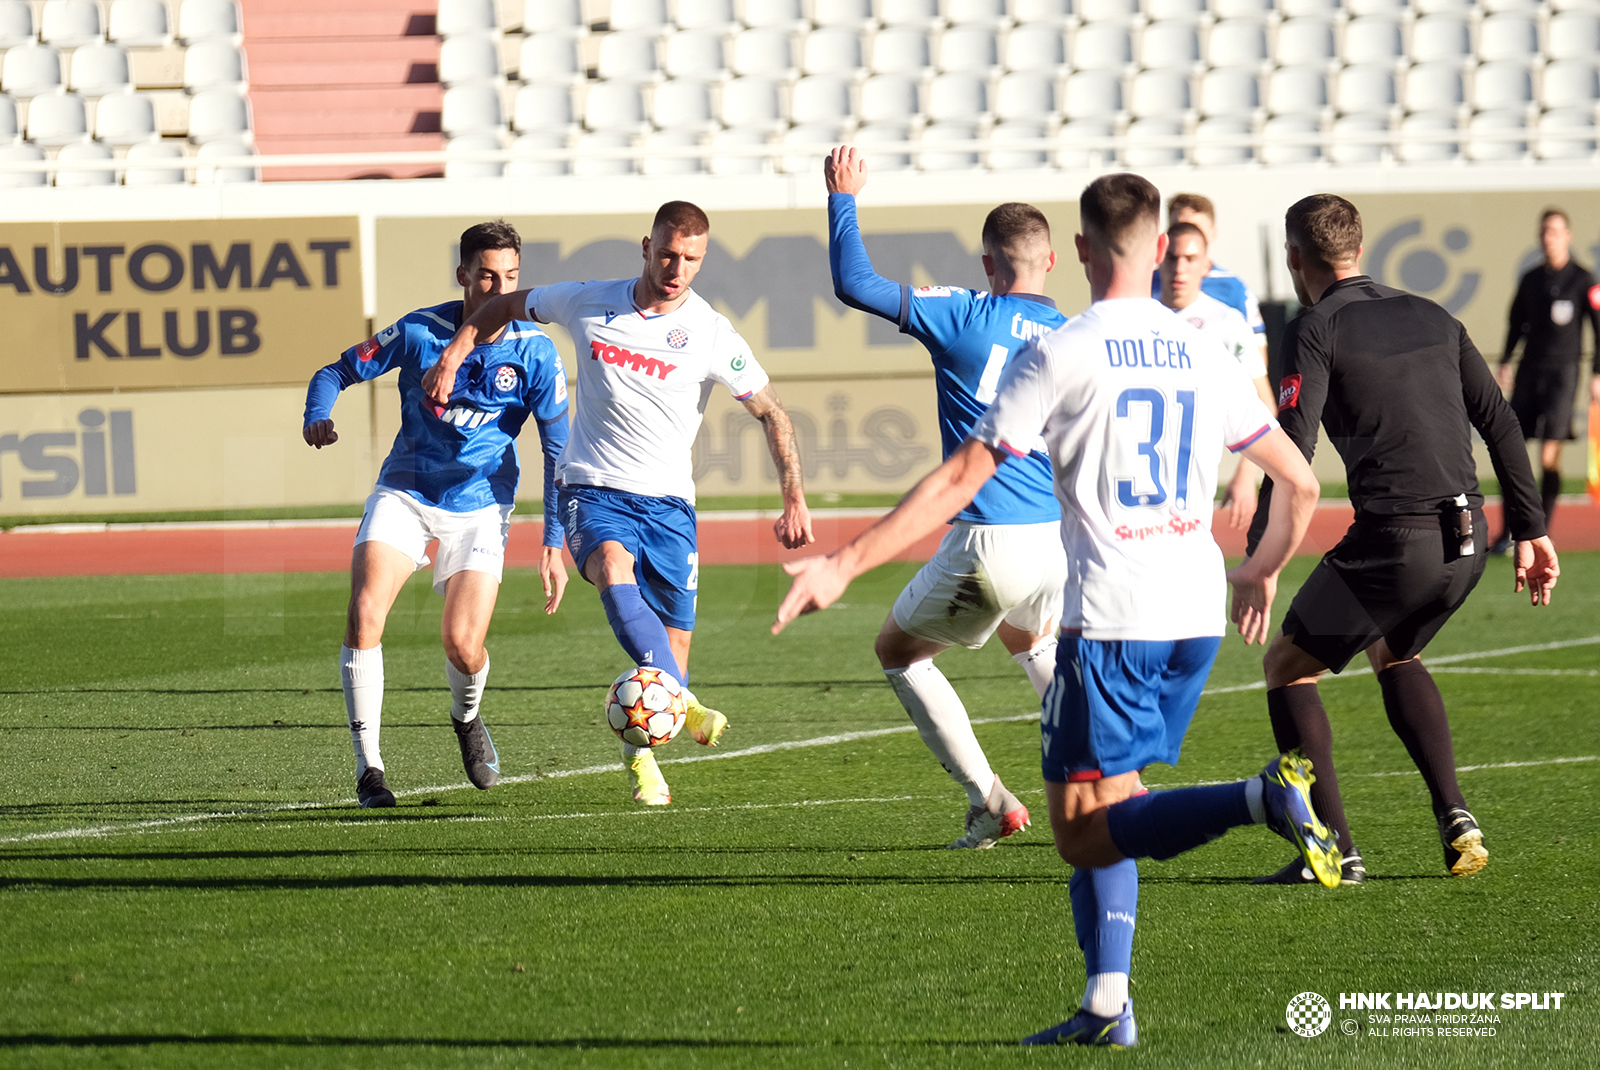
(677,338)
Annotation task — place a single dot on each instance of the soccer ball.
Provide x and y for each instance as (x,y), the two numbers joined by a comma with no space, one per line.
(646,706)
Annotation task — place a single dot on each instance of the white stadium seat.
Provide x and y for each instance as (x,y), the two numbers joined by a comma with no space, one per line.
(957,97)
(202,20)
(86,152)
(1304,42)
(1507,37)
(628,56)
(1372,39)
(1237,43)
(18,154)
(1169,44)
(1276,148)
(1440,38)
(220,114)
(602,140)
(934,158)
(1495,7)
(1159,93)
(16,24)
(1035,47)
(1092,95)
(1350,140)
(762,52)
(649,16)
(888,98)
(1566,134)
(713,15)
(819,98)
(774,14)
(213,65)
(990,14)
(722,163)
(1433,87)
(968,48)
(1187,10)
(1412,149)
(10,129)
(1570,83)
(1239,9)
(465,16)
(1052,12)
(1368,89)
(1481,147)
(99,69)
(654,161)
(922,14)
(848,14)
(1118,11)
(470,109)
(70,23)
(879,134)
(1296,91)
(549,57)
(1233,91)
(553,16)
(139,23)
(467,59)
(1299,9)
(147,151)
(1573,35)
(125,119)
(1502,85)
(1360,8)
(695,54)
(544,107)
(683,105)
(30,70)
(831,51)
(613,106)
(810,143)
(1004,156)
(1081,143)
(1102,46)
(57,119)
(1222,140)
(1436,7)
(1149,143)
(525,163)
(751,103)
(471,143)
(1024,96)
(900,51)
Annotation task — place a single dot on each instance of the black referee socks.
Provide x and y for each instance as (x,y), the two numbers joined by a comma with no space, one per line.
(1549,491)
(1416,713)
(1299,720)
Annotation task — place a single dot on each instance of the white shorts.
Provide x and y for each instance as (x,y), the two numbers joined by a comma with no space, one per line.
(474,541)
(984,574)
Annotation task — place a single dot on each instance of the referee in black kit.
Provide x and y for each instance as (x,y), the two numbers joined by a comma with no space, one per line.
(1399,387)
(1553,301)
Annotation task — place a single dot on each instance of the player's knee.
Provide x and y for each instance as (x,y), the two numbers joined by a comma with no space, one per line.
(464,647)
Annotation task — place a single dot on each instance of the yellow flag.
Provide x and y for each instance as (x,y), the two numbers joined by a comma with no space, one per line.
(1594,452)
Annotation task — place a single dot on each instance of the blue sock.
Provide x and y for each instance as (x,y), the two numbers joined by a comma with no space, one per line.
(1164,824)
(1116,895)
(638,629)
(1081,888)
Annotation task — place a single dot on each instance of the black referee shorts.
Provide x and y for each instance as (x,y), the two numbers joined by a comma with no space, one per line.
(1398,580)
(1542,398)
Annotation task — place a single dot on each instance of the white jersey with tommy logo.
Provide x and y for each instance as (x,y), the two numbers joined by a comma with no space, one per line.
(1225,324)
(643,383)
(1135,406)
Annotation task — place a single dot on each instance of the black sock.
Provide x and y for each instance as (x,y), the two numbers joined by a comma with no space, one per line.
(1299,720)
(1416,713)
(1549,491)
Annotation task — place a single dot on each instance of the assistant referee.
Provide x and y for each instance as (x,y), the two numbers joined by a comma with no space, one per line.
(1553,301)
(1399,387)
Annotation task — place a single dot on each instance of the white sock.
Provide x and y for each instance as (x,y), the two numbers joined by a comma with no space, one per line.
(1255,796)
(630,751)
(1106,994)
(942,721)
(361,673)
(1039,663)
(466,690)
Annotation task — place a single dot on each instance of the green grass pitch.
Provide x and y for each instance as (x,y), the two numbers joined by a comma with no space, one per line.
(223,903)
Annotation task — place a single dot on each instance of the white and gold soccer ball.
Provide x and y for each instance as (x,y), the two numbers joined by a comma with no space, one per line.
(646,706)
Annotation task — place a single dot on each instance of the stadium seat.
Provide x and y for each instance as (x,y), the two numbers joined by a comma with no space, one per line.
(139,23)
(1299,9)
(809,144)
(614,106)
(1092,95)
(695,54)
(467,59)
(1237,43)
(1055,13)
(1436,7)
(1502,85)
(1296,91)
(1433,87)
(99,69)
(846,14)
(471,143)
(1566,134)
(1035,47)
(1372,39)
(1361,8)
(465,16)
(1003,155)
(1347,142)
(85,152)
(922,14)
(1159,93)
(957,97)
(1573,35)
(831,51)
(1495,7)
(1440,38)
(683,105)
(888,98)
(543,107)
(1410,148)
(1185,10)
(16,23)
(1221,140)
(775,15)
(125,119)
(57,119)
(202,20)
(1102,46)
(553,16)
(600,141)
(70,23)
(219,114)
(1117,11)
(1143,145)
(715,16)
(1512,36)
(549,57)
(213,65)
(933,157)
(764,53)
(525,162)
(1366,89)
(17,154)
(1239,9)
(751,103)
(628,56)
(884,134)
(153,176)
(648,16)
(654,161)
(1229,91)
(900,50)
(968,48)
(221,150)
(1482,145)
(989,14)
(1024,96)
(30,70)
(1570,83)
(470,109)
(10,130)
(1169,44)
(1276,148)
(724,163)
(1304,42)
(1081,143)
(819,98)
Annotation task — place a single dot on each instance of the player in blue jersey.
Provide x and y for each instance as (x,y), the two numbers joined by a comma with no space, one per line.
(1001,567)
(452,476)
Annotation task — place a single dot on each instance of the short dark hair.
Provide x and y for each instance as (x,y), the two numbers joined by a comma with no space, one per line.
(1554,212)
(1192,202)
(1185,230)
(1112,205)
(1324,227)
(681,217)
(480,237)
(1012,225)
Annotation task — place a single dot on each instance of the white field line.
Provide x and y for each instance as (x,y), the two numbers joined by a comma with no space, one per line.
(795,744)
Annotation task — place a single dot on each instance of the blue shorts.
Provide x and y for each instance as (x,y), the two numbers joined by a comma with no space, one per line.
(1116,706)
(658,531)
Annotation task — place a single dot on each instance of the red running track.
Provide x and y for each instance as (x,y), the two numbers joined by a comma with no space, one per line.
(287,546)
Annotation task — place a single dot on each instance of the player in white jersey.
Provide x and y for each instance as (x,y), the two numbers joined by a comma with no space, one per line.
(649,351)
(1135,407)
(1183,271)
